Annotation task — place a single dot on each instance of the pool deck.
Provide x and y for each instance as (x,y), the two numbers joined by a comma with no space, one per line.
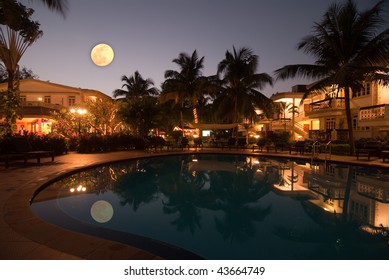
(24,236)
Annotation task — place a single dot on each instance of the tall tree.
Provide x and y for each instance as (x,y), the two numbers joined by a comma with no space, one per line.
(186,86)
(348,50)
(103,115)
(139,108)
(136,86)
(240,96)
(10,11)
(14,41)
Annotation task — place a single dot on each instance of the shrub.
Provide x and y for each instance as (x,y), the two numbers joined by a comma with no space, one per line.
(95,143)
(49,142)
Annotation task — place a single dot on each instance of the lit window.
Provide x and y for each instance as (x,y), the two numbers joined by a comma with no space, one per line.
(72,101)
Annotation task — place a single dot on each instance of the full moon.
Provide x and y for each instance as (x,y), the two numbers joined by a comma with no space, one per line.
(102,54)
(101,211)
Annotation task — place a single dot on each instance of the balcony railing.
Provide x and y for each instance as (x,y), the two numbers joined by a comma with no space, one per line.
(372,112)
(328,103)
(41,104)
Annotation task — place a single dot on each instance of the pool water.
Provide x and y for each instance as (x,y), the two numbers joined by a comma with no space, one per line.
(227,207)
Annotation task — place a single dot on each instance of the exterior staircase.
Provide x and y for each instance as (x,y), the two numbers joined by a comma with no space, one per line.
(299,129)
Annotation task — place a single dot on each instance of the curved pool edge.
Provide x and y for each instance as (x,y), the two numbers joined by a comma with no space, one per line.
(50,238)
(18,215)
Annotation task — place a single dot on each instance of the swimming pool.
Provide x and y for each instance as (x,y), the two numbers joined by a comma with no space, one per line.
(216,206)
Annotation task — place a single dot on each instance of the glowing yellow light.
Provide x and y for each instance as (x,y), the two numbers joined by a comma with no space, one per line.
(72,190)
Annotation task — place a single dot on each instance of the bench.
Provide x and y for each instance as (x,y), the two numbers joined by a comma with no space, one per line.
(384,155)
(241,144)
(232,142)
(158,142)
(19,148)
(301,147)
(369,149)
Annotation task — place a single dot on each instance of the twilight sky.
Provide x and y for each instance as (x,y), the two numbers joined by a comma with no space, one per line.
(147,35)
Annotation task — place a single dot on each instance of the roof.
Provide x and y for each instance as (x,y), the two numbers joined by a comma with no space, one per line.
(280,95)
(38,86)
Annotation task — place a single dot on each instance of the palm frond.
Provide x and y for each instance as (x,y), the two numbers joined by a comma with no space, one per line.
(301,70)
(60,6)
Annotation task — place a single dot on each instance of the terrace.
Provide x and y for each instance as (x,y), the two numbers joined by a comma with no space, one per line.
(333,106)
(374,115)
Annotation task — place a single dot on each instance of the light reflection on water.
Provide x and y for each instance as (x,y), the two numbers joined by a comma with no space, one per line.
(230,206)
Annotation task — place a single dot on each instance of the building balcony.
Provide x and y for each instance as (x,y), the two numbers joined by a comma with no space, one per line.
(326,107)
(39,108)
(281,124)
(374,115)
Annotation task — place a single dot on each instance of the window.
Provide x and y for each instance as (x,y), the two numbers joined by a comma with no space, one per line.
(72,101)
(364,91)
(47,99)
(330,124)
(23,98)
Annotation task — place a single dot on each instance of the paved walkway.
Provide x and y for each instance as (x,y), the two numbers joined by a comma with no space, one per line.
(25,236)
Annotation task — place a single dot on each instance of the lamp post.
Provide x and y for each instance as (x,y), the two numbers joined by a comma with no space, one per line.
(80,112)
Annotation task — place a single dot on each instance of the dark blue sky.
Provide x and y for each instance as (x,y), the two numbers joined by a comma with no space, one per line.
(147,35)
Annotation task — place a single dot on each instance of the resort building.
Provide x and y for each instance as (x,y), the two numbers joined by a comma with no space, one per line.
(40,98)
(322,116)
(292,115)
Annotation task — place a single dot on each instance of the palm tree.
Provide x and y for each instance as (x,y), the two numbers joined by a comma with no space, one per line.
(14,41)
(19,32)
(348,51)
(136,87)
(60,6)
(240,96)
(186,85)
(10,7)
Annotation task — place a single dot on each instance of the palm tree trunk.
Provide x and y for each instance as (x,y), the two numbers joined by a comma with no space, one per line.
(181,119)
(349,120)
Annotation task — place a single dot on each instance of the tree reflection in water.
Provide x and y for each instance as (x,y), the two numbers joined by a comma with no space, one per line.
(239,198)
